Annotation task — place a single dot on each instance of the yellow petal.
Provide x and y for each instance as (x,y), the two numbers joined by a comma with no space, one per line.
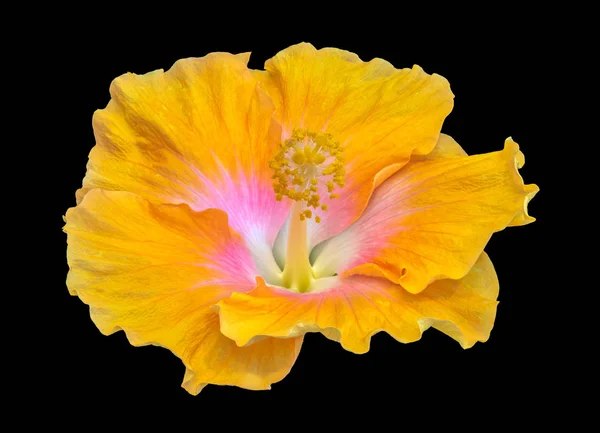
(380,114)
(358,307)
(154,271)
(432,219)
(215,359)
(201,133)
(445,147)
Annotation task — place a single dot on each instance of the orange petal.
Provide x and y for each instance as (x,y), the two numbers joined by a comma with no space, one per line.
(432,219)
(154,271)
(201,133)
(358,307)
(380,114)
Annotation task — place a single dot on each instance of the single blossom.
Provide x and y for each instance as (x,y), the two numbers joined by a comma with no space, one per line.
(226,212)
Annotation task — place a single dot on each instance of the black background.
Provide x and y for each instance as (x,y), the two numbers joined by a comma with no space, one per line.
(496,74)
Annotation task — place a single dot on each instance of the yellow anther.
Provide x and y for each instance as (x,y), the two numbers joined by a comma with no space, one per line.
(333,196)
(303,162)
(319,158)
(298,158)
(322,140)
(317,219)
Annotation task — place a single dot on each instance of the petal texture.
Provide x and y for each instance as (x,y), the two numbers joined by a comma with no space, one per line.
(154,271)
(432,219)
(357,307)
(380,114)
(201,133)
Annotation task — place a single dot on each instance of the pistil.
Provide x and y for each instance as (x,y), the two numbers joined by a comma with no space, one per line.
(307,165)
(297,273)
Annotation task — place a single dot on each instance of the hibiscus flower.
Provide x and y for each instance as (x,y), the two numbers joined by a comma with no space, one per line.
(226,212)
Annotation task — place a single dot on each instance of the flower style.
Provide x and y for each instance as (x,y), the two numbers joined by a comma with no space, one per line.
(226,212)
